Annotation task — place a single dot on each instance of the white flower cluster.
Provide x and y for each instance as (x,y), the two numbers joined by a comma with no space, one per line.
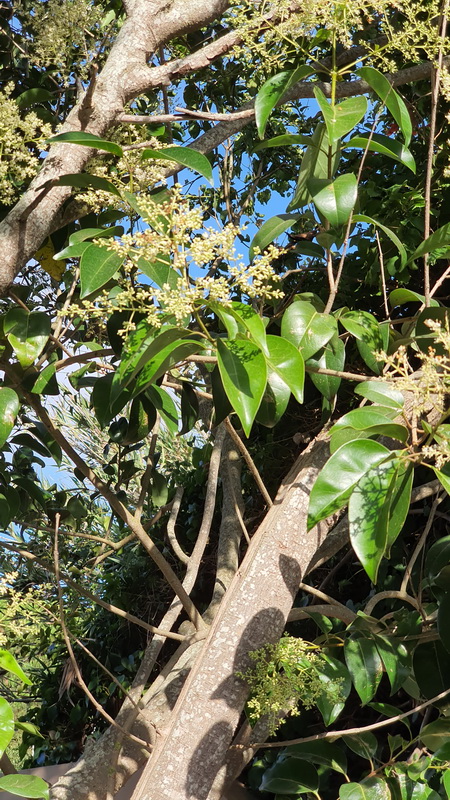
(21,138)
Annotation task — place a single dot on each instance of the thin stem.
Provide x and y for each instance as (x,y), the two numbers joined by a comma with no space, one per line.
(249,461)
(435,87)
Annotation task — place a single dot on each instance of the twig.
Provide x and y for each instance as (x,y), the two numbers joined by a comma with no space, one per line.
(171,535)
(391,594)
(356,731)
(73,660)
(338,612)
(382,273)
(249,461)
(145,480)
(305,587)
(435,87)
(420,544)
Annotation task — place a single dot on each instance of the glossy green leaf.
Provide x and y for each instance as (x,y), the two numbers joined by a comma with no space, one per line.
(363,326)
(306,328)
(391,99)
(165,406)
(250,321)
(27,333)
(46,382)
(331,671)
(437,557)
(9,663)
(332,356)
(243,371)
(443,620)
(270,230)
(315,164)
(95,233)
(290,776)
(399,297)
(72,251)
(159,489)
(368,515)
(186,156)
(385,146)
(446,781)
(273,90)
(97,267)
(341,118)
(166,358)
(437,240)
(285,360)
(189,408)
(6,724)
(334,199)
(142,346)
(284,140)
(340,475)
(431,665)
(9,408)
(365,666)
(436,734)
(380,392)
(389,233)
(30,786)
(325,753)
(364,418)
(160,271)
(87,140)
(363,744)
(396,660)
(369,789)
(83,180)
(222,405)
(399,502)
(101,397)
(32,96)
(424,336)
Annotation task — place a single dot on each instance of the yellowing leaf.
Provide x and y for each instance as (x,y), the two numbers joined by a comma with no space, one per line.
(45,255)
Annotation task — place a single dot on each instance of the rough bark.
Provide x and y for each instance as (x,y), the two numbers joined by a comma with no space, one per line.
(189,757)
(126,74)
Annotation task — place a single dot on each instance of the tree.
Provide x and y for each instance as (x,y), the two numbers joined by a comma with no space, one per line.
(166,329)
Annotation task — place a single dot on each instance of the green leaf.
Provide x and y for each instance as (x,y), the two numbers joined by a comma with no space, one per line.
(315,164)
(340,475)
(436,734)
(160,490)
(285,360)
(306,328)
(368,515)
(270,230)
(425,337)
(222,406)
(251,321)
(369,789)
(72,251)
(160,271)
(290,776)
(438,239)
(9,408)
(382,393)
(87,140)
(189,408)
(141,348)
(95,233)
(274,403)
(437,557)
(390,98)
(273,90)
(363,326)
(27,333)
(335,200)
(365,666)
(46,382)
(284,140)
(431,664)
(9,663)
(32,96)
(385,146)
(97,267)
(396,660)
(332,356)
(332,671)
(82,180)
(363,744)
(443,620)
(186,156)
(243,371)
(165,406)
(166,358)
(389,233)
(325,753)
(341,118)
(6,724)
(401,296)
(30,786)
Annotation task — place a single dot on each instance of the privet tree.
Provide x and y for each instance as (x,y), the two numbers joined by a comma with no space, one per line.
(143,304)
